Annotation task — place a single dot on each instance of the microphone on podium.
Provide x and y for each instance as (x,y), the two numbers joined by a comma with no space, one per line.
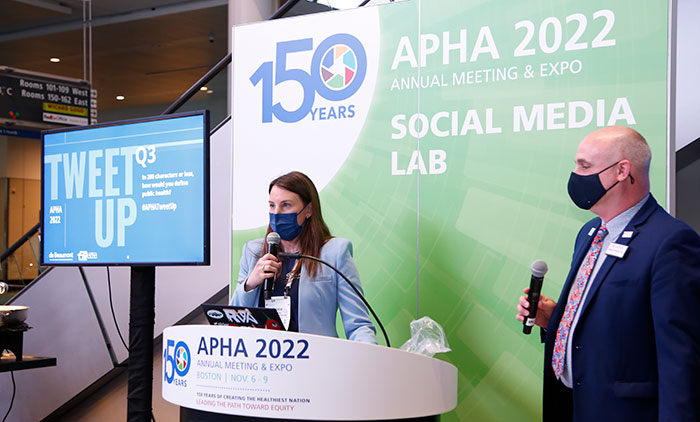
(273,247)
(347,280)
(538,269)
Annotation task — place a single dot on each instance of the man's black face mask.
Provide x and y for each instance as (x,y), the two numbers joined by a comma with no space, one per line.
(586,191)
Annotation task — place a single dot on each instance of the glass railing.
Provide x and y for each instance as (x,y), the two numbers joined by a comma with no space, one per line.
(19,264)
(211,96)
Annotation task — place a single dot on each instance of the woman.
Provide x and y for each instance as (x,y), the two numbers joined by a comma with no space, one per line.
(315,291)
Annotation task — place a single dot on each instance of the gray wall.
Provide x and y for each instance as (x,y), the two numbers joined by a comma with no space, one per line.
(688,113)
(687,73)
(688,194)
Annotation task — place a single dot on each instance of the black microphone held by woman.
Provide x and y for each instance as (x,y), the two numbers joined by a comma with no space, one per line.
(273,247)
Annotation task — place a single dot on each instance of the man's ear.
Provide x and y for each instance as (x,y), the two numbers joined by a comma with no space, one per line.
(623,169)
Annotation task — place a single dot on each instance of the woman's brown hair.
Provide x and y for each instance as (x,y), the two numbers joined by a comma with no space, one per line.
(315,232)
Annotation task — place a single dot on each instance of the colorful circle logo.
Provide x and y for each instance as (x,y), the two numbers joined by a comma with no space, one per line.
(338,67)
(182,359)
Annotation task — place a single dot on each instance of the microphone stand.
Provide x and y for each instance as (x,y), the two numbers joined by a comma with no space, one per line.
(298,255)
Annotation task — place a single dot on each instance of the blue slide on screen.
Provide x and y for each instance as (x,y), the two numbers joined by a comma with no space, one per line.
(127,193)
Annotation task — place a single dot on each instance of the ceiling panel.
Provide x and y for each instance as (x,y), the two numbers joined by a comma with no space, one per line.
(17,16)
(149,61)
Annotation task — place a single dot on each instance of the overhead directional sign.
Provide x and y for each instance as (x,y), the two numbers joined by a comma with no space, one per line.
(34,100)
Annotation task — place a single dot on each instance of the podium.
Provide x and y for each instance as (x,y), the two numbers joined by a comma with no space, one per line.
(272,374)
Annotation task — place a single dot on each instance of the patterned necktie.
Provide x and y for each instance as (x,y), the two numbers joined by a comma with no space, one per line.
(584,274)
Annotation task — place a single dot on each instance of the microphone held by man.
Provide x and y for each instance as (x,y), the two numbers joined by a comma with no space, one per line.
(538,269)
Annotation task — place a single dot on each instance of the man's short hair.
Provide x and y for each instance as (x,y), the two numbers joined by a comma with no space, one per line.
(635,148)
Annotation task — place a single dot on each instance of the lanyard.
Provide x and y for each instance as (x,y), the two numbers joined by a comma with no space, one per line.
(291,277)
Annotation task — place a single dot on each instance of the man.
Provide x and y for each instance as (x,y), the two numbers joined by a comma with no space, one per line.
(623,341)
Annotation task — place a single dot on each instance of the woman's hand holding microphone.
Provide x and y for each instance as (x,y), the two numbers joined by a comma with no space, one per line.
(267,266)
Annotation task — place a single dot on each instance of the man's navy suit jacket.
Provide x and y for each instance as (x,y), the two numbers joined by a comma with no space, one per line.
(636,347)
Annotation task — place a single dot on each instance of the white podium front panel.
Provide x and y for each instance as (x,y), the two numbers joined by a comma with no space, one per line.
(275,374)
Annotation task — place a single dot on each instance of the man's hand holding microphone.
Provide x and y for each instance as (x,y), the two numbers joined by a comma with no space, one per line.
(542,305)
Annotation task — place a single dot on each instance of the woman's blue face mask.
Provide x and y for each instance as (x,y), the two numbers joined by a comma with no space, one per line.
(286,224)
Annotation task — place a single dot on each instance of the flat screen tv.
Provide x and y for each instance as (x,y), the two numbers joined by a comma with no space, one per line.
(132,192)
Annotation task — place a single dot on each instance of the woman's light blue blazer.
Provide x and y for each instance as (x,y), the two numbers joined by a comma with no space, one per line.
(319,297)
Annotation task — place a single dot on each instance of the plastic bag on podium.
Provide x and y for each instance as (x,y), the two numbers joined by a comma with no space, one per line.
(427,338)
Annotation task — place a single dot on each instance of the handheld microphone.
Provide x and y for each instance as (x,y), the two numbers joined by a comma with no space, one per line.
(539,269)
(273,247)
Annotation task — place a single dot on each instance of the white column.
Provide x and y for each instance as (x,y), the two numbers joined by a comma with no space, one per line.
(245,11)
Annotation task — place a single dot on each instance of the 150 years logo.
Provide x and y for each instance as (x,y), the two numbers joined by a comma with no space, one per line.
(176,361)
(338,68)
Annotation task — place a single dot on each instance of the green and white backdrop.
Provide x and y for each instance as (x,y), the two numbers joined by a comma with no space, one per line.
(440,135)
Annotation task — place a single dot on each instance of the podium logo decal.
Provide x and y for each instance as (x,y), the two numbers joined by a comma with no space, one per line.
(176,362)
(182,359)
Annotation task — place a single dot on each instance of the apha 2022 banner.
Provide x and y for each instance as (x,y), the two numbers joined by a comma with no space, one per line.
(441,135)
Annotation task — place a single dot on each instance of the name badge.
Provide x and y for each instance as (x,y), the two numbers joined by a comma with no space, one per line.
(616,250)
(283,305)
(591,231)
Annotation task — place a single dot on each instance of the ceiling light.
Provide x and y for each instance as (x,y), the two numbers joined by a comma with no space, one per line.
(210,91)
(54,60)
(204,88)
(120,98)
